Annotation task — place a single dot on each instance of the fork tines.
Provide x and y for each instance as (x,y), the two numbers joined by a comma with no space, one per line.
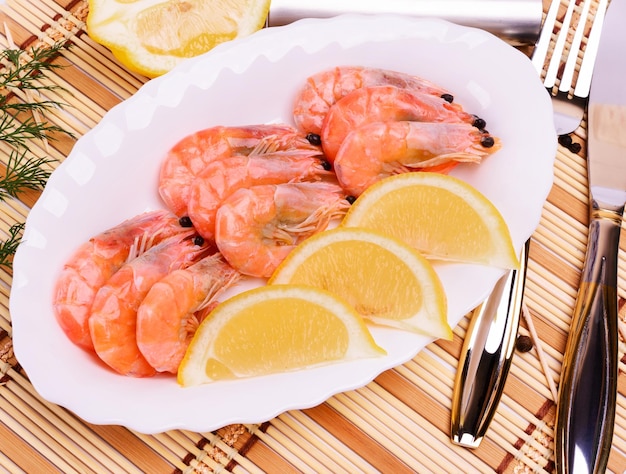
(564,55)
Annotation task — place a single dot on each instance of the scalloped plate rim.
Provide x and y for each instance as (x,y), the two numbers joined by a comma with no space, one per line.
(313,39)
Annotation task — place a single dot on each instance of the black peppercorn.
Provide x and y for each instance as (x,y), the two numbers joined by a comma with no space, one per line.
(314,139)
(479,123)
(185,221)
(575,147)
(198,240)
(487,141)
(326,166)
(565,140)
(448,97)
(523,343)
(350,199)
(571,145)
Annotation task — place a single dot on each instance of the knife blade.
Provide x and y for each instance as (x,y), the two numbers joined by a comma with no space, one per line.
(588,387)
(515,21)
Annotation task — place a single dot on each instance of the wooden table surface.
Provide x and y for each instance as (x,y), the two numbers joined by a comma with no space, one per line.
(397,423)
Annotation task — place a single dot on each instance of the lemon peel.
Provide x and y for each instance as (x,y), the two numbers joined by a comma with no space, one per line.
(151,37)
(274,329)
(386,281)
(441,216)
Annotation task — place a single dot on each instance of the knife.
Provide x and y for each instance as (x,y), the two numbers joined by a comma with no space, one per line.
(515,21)
(588,388)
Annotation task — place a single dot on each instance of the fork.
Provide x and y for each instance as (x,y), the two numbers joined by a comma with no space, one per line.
(490,339)
(569,99)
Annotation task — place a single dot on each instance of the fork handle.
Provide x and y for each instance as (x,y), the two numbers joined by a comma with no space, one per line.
(588,388)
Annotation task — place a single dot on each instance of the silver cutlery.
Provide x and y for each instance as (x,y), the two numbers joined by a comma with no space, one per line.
(490,339)
(486,358)
(515,21)
(588,388)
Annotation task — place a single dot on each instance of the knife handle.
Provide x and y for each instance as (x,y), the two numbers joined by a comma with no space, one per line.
(588,389)
(486,358)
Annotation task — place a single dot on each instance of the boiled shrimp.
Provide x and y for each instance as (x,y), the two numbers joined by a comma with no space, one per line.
(170,313)
(323,89)
(223,177)
(382,104)
(189,156)
(95,261)
(257,227)
(113,318)
(380,149)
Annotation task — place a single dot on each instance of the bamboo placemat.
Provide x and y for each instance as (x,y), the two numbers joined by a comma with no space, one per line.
(398,423)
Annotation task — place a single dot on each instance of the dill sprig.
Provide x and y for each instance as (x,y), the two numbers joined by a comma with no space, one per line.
(17,133)
(23,72)
(9,246)
(23,173)
(27,66)
(23,107)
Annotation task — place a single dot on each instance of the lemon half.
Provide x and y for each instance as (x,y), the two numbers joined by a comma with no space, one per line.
(151,37)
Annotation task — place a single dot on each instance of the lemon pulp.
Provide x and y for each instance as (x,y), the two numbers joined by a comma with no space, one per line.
(385,280)
(153,36)
(275,329)
(440,215)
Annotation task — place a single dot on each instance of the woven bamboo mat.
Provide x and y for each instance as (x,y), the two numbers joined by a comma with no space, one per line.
(398,423)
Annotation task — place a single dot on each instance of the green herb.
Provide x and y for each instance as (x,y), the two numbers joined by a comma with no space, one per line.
(23,173)
(9,246)
(23,120)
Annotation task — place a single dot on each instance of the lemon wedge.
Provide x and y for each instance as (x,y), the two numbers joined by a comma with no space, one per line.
(385,280)
(274,329)
(441,216)
(150,37)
